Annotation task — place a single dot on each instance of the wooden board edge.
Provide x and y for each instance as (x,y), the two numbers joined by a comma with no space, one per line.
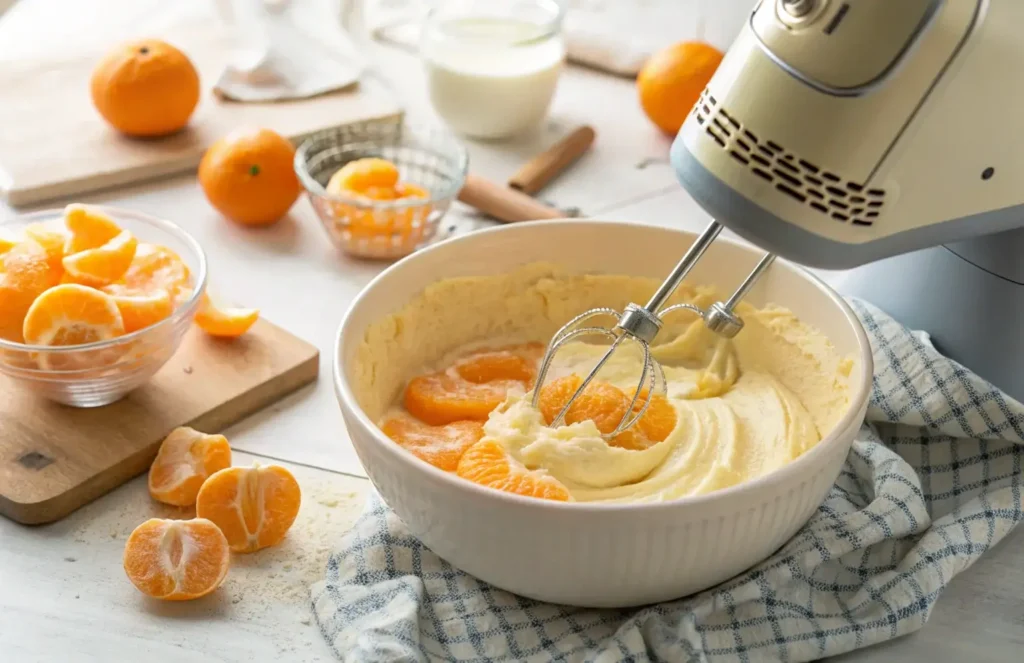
(262,396)
(57,507)
(18,197)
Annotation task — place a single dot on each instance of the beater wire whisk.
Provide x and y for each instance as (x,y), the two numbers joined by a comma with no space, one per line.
(641,324)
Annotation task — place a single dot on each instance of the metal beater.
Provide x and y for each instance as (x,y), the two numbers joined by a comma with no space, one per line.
(640,324)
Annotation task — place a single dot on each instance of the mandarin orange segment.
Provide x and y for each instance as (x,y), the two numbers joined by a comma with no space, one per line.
(409,190)
(26,274)
(103,265)
(158,267)
(474,386)
(439,399)
(89,228)
(254,506)
(605,405)
(176,560)
(185,460)
(226,322)
(380,193)
(660,418)
(140,309)
(493,366)
(441,446)
(8,240)
(359,175)
(72,314)
(488,464)
(52,242)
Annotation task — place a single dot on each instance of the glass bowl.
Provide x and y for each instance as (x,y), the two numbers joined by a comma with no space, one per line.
(96,374)
(431,158)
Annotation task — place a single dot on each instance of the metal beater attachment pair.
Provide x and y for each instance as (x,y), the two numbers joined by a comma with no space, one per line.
(640,324)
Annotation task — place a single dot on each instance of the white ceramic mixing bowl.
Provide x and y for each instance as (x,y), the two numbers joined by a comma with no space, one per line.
(600,555)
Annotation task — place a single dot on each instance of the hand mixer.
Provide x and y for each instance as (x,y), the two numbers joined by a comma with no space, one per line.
(879,135)
(640,324)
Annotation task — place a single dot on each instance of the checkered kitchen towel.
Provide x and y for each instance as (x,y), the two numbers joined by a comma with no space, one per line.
(933,481)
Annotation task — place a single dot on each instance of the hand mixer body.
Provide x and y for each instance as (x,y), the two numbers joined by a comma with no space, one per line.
(862,129)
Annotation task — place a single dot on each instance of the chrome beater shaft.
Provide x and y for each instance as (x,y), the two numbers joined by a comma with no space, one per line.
(641,324)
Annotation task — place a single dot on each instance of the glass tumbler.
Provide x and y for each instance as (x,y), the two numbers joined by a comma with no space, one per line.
(492,65)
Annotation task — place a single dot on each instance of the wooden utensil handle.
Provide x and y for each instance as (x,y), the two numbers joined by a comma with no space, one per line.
(544,167)
(503,203)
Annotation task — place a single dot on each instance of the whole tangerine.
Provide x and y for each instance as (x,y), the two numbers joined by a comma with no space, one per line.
(672,79)
(248,176)
(145,88)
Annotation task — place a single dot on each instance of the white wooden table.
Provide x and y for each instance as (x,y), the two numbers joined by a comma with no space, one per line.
(63,594)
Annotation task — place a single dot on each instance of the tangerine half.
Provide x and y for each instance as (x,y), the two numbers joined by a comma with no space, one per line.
(176,560)
(254,506)
(185,460)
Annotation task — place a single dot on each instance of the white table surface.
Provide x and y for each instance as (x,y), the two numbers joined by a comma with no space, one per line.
(63,594)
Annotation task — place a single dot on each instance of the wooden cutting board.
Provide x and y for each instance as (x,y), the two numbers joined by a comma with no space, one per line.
(54,458)
(54,144)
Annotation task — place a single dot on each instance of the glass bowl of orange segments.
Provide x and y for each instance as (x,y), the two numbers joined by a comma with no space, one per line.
(432,159)
(96,374)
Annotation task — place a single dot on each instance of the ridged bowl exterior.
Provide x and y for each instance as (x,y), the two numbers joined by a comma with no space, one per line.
(592,554)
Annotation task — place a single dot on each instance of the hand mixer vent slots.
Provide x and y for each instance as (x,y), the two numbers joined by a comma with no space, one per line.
(838,198)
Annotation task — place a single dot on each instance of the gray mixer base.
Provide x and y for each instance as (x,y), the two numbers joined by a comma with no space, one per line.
(973,316)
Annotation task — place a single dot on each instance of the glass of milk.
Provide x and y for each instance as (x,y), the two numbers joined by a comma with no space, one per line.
(492,65)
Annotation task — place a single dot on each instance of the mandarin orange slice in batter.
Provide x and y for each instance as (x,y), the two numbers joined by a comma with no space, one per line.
(473,386)
(605,404)
(441,446)
(488,464)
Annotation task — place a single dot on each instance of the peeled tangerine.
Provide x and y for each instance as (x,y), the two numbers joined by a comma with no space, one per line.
(177,560)
(185,460)
(254,506)
(226,322)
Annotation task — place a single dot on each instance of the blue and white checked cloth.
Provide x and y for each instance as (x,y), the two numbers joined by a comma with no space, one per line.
(933,481)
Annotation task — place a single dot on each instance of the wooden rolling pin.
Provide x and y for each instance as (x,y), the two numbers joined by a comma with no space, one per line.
(504,204)
(544,167)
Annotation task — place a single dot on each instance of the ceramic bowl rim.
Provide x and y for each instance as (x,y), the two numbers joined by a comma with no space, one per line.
(838,435)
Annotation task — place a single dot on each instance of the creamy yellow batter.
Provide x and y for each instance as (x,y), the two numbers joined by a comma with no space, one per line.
(744,407)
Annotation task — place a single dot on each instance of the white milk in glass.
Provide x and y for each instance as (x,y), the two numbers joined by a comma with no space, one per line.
(491,76)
